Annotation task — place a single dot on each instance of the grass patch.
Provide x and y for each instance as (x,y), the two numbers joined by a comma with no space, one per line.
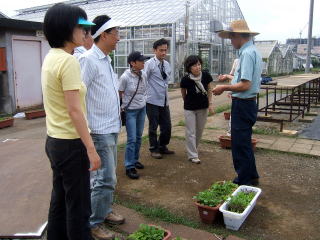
(214,128)
(181,123)
(265,131)
(222,108)
(269,131)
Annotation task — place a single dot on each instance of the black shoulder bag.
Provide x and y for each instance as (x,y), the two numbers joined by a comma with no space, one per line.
(123,111)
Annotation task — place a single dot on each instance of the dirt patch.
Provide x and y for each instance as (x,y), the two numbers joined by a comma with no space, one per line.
(287,209)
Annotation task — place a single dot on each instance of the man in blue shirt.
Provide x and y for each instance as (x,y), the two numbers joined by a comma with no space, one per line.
(158,73)
(245,86)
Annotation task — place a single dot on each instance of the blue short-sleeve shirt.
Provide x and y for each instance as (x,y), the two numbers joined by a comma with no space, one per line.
(249,68)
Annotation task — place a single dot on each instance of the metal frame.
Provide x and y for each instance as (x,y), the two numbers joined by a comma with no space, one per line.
(290,102)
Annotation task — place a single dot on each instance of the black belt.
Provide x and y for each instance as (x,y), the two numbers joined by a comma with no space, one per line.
(252,99)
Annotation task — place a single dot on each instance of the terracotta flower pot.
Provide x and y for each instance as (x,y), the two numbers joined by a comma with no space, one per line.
(227,115)
(208,214)
(35,114)
(167,233)
(7,122)
(254,142)
(225,142)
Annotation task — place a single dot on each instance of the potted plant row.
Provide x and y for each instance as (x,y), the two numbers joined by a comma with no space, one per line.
(225,142)
(35,114)
(150,232)
(209,201)
(237,208)
(6,122)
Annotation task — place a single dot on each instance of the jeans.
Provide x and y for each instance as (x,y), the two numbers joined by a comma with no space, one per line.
(134,125)
(158,116)
(103,180)
(195,122)
(244,116)
(69,210)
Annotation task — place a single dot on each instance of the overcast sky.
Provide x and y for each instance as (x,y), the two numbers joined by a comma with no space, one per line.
(274,19)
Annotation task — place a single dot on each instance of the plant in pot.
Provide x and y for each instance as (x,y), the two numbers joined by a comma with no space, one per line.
(236,209)
(150,232)
(6,122)
(227,115)
(225,142)
(209,201)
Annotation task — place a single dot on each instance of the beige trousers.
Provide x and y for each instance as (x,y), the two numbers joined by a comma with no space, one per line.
(195,122)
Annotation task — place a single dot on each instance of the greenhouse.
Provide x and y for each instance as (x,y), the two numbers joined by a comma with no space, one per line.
(188,25)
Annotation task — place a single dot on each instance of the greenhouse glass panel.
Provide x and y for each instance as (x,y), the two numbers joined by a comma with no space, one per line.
(155,31)
(121,61)
(121,48)
(137,45)
(148,46)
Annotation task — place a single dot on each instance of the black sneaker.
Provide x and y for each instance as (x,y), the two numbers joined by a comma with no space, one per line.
(139,165)
(132,173)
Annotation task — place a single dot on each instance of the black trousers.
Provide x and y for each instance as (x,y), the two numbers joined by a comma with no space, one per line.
(243,117)
(70,206)
(158,116)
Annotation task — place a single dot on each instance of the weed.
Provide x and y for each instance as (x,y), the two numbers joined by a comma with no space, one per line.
(181,123)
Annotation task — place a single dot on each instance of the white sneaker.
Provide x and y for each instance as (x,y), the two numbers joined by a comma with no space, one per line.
(195,160)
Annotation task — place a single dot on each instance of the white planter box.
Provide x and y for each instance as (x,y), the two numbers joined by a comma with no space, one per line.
(234,220)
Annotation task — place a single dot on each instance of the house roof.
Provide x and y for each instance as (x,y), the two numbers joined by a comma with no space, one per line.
(285,49)
(7,23)
(129,12)
(266,47)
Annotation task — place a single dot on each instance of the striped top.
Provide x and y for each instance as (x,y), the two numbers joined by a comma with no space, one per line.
(103,103)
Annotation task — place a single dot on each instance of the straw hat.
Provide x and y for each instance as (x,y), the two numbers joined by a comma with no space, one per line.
(237,26)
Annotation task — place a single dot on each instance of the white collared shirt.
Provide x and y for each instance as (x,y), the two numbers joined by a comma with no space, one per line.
(78,51)
(103,103)
(157,87)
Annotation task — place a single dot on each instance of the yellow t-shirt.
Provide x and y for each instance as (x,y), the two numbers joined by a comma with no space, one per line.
(60,72)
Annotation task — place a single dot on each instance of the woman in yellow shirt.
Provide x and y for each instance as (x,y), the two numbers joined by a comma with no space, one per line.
(69,146)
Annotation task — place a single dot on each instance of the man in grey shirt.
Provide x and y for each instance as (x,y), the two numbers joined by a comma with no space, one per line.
(158,72)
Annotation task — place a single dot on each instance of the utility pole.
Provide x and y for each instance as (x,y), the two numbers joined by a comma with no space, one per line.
(307,70)
(187,21)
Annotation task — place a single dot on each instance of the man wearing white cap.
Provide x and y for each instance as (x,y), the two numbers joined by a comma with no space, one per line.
(103,107)
(245,86)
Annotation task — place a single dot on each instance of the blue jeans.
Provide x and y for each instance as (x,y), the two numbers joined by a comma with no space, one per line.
(244,116)
(103,180)
(134,125)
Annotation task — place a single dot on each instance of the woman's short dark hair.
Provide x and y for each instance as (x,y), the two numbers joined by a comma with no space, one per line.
(190,61)
(59,23)
(99,21)
(160,42)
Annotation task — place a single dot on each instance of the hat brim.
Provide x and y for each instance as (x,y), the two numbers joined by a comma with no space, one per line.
(226,34)
(143,58)
(84,22)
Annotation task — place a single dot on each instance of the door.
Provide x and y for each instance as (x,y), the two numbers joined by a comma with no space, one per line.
(27,73)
